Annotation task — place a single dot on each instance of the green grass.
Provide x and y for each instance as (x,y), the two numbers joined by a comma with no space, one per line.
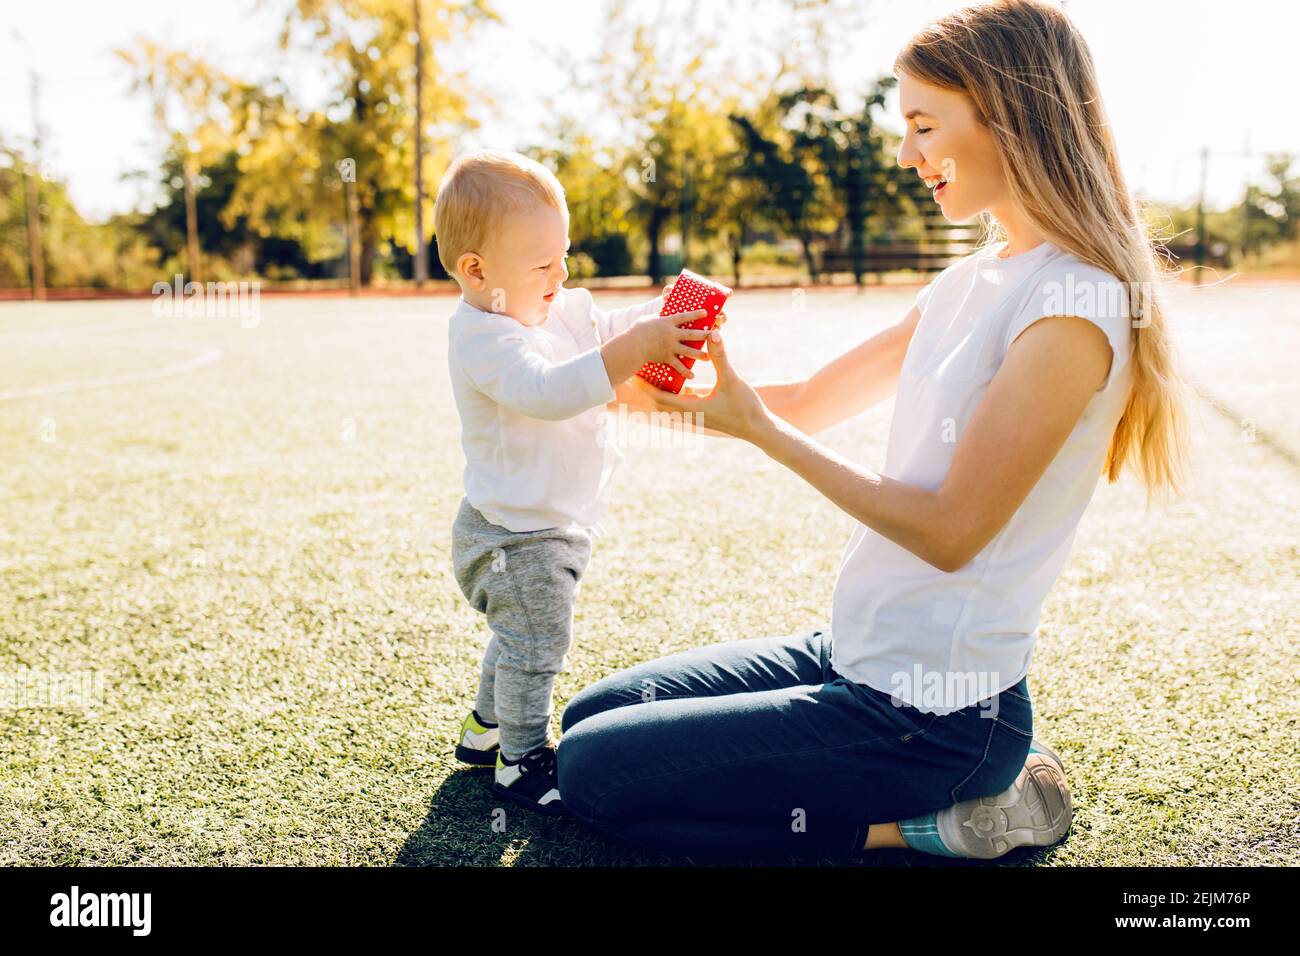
(286,657)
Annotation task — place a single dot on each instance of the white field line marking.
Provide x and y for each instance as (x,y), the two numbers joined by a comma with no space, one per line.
(77,331)
(205,356)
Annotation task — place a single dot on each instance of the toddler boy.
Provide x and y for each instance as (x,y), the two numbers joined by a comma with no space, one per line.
(532,367)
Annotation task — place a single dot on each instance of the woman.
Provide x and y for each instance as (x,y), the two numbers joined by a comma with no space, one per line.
(1020,377)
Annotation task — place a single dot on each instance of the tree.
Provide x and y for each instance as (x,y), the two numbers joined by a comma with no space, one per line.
(801,45)
(226,237)
(1279,203)
(849,151)
(600,214)
(789,197)
(669,101)
(368,49)
(79,254)
(670,87)
(194,109)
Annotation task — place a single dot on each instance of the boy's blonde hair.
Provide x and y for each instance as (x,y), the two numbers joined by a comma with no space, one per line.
(479,190)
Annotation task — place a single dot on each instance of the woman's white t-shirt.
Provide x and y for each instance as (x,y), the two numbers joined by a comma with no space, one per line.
(941,641)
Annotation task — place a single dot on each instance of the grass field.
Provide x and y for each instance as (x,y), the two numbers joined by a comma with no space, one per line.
(253,554)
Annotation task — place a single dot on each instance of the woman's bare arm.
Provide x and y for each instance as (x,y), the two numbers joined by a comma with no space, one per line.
(846,386)
(1045,382)
(1029,409)
(852,383)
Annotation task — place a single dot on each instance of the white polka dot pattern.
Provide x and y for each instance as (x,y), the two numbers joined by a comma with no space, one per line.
(690,292)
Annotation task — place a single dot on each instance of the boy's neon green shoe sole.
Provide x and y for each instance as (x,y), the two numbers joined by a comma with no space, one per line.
(479,743)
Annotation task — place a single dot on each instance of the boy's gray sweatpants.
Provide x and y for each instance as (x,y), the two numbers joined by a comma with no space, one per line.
(524,582)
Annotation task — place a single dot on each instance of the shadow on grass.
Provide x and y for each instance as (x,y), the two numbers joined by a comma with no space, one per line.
(468,825)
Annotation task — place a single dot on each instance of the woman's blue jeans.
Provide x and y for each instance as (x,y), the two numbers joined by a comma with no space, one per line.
(757,747)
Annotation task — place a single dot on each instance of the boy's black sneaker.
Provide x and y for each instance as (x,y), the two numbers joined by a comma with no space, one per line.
(531,780)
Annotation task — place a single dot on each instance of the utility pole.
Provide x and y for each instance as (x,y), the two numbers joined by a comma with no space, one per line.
(354,252)
(1200,217)
(1245,203)
(35,247)
(1202,240)
(31,181)
(421,253)
(347,168)
(35,254)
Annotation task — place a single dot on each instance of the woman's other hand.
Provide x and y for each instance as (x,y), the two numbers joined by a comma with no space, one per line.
(731,406)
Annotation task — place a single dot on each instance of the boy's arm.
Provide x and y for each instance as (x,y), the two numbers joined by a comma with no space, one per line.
(497,359)
(611,322)
(652,338)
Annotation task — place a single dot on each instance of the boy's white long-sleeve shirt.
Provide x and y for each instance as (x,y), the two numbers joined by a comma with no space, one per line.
(532,403)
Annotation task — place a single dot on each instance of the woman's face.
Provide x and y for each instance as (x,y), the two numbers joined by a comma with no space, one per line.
(945,143)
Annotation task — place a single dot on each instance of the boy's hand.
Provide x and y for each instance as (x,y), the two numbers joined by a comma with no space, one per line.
(657,305)
(663,298)
(661,338)
(652,338)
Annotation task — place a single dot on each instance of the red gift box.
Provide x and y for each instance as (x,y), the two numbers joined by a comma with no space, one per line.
(690,293)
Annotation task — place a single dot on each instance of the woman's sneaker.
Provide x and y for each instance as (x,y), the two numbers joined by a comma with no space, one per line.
(480,742)
(531,781)
(1037,746)
(1036,810)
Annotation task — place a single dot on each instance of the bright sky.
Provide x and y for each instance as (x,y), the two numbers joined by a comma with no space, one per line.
(1175,75)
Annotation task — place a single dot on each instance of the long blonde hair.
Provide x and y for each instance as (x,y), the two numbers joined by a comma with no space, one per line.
(1030,77)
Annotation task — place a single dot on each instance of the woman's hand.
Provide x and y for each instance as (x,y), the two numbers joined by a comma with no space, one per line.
(732,406)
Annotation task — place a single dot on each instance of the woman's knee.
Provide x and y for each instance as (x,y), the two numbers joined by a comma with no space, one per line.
(580,706)
(581,765)
(605,694)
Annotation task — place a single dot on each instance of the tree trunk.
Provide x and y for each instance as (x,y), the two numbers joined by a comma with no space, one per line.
(809,260)
(421,255)
(367,261)
(368,235)
(655,225)
(856,202)
(738,251)
(350,227)
(191,226)
(35,249)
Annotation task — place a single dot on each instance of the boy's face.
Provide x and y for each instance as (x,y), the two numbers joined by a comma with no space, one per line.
(522,265)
